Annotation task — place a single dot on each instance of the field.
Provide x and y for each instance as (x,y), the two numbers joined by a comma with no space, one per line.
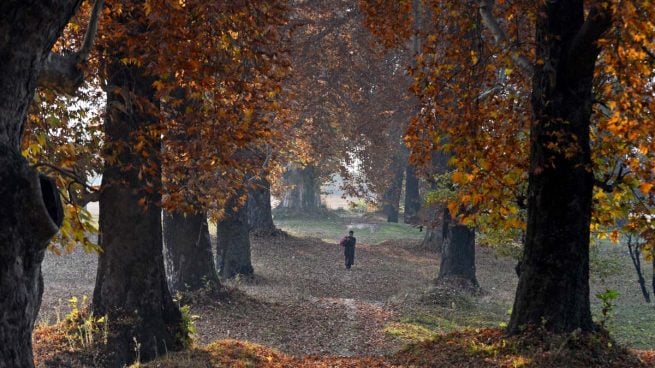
(303,302)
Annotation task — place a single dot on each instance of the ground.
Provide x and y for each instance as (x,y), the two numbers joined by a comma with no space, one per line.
(303,302)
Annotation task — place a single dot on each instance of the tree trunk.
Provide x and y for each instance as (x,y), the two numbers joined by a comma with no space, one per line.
(434,236)
(30,208)
(412,197)
(434,233)
(553,288)
(131,283)
(303,193)
(188,252)
(391,197)
(458,256)
(233,242)
(260,218)
(30,215)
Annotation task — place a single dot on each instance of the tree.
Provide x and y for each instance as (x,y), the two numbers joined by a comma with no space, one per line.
(188,252)
(233,241)
(391,195)
(555,265)
(131,286)
(303,190)
(260,217)
(31,213)
(207,45)
(349,101)
(435,207)
(412,195)
(557,115)
(187,244)
(434,238)
(458,254)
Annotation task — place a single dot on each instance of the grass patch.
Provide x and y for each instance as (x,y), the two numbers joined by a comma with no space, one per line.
(633,325)
(632,320)
(441,321)
(409,331)
(333,229)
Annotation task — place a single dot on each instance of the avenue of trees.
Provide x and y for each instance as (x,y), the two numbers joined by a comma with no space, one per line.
(521,117)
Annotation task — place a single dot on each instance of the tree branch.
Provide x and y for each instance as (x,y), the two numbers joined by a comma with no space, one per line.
(609,182)
(88,194)
(60,71)
(91,31)
(584,43)
(501,39)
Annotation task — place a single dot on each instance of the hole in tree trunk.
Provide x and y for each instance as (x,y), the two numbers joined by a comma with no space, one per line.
(51,199)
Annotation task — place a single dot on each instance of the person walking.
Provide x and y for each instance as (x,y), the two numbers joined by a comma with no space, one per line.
(348,244)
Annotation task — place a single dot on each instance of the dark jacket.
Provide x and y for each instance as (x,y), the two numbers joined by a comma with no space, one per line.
(348,241)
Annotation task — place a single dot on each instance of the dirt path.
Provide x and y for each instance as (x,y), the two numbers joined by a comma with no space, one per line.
(302,300)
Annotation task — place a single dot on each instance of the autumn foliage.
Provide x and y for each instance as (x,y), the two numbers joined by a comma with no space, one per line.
(475,97)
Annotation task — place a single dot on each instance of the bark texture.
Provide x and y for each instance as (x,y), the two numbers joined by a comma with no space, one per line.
(260,217)
(412,196)
(233,242)
(303,193)
(188,252)
(30,209)
(30,215)
(553,286)
(131,283)
(458,256)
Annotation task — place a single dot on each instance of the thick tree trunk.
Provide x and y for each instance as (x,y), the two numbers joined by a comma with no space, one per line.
(553,288)
(391,197)
(233,242)
(412,196)
(458,256)
(188,252)
(303,193)
(131,283)
(30,208)
(30,215)
(260,217)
